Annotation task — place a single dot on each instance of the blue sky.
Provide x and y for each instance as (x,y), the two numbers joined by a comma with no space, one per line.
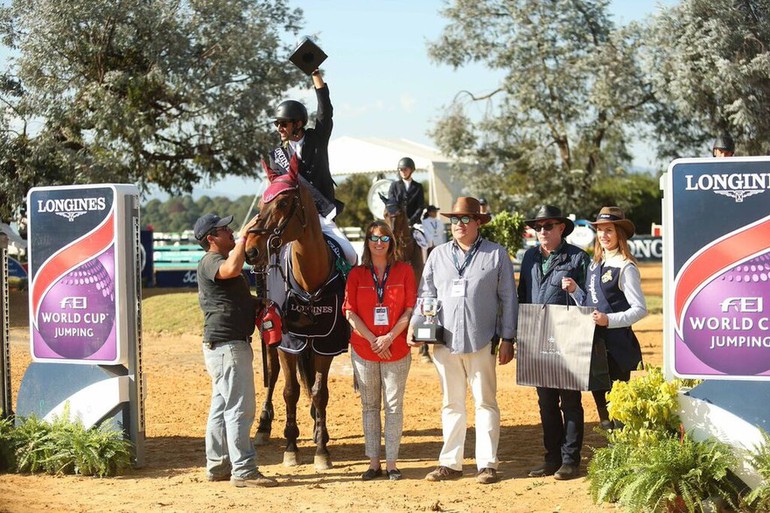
(381,81)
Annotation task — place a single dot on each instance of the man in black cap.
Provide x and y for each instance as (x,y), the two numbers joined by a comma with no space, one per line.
(723,146)
(229,312)
(408,190)
(543,268)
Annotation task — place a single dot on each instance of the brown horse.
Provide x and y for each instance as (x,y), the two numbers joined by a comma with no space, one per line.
(287,215)
(407,249)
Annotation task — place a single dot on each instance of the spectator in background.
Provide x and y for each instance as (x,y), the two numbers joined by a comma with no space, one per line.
(433,228)
(485,206)
(723,146)
(407,190)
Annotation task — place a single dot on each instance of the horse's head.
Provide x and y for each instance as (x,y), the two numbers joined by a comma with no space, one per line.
(393,210)
(281,219)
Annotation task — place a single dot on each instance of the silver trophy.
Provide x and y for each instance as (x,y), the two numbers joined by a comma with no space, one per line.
(429,331)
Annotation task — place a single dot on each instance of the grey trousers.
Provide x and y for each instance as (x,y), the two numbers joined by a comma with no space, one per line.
(382,386)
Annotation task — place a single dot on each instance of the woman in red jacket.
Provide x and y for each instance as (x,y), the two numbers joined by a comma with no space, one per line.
(379,298)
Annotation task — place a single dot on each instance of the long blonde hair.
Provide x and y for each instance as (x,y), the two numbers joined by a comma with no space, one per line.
(623,248)
(366,258)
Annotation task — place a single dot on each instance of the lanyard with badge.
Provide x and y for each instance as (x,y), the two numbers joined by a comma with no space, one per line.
(380,311)
(458,285)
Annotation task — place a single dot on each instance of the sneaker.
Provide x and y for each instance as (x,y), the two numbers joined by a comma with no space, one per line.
(443,473)
(566,472)
(256,480)
(487,476)
(546,469)
(211,478)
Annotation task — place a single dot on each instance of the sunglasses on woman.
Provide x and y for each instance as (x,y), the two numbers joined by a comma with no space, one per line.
(383,238)
(461,219)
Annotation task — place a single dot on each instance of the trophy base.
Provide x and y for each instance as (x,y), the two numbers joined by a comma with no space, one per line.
(429,333)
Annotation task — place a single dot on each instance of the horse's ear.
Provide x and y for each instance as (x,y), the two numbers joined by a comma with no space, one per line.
(294,167)
(383,197)
(271,175)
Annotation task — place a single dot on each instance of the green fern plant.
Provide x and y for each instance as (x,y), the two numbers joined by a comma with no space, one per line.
(759,498)
(65,447)
(7,444)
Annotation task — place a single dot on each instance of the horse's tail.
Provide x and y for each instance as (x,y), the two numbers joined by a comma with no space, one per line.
(306,368)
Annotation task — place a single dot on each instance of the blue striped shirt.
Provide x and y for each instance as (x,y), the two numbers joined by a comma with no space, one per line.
(489,306)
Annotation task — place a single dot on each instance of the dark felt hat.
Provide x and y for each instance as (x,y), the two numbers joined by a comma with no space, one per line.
(551,212)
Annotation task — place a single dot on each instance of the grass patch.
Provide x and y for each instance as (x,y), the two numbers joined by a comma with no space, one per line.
(654,304)
(172,312)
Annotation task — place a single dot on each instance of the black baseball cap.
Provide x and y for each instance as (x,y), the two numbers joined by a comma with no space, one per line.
(207,223)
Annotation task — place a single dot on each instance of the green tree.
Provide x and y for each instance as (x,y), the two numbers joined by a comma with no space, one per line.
(354,192)
(709,60)
(163,92)
(559,120)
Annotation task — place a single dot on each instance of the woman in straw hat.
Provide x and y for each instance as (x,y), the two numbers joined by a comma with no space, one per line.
(613,288)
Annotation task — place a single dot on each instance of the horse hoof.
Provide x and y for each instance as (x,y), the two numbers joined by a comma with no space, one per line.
(261,438)
(290,459)
(322,462)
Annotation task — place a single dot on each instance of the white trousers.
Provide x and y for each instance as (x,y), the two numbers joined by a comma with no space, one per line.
(328,227)
(457,371)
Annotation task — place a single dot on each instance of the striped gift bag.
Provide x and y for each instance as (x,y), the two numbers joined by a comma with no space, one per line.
(556,348)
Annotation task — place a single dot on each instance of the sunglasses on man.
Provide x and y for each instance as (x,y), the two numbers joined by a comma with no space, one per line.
(461,219)
(547,227)
(281,123)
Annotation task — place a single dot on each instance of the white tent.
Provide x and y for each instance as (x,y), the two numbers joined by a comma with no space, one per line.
(374,156)
(16,245)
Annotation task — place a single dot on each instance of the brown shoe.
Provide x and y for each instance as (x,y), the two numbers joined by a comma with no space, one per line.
(256,480)
(546,469)
(443,474)
(487,476)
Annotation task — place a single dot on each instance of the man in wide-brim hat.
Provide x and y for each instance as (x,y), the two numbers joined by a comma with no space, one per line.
(467,206)
(543,268)
(472,278)
(550,213)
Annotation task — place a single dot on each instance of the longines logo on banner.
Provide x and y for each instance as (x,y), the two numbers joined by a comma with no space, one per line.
(733,185)
(71,208)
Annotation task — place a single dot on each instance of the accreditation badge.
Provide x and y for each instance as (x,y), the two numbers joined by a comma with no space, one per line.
(458,287)
(381,316)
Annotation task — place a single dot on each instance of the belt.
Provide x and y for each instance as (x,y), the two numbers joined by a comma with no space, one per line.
(212,345)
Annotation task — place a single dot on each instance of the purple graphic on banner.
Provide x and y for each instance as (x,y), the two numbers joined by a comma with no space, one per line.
(76,319)
(727,326)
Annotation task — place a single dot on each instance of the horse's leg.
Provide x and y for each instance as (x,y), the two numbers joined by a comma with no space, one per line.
(320,396)
(290,397)
(266,417)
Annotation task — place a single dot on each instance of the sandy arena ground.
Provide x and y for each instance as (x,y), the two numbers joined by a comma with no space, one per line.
(173,478)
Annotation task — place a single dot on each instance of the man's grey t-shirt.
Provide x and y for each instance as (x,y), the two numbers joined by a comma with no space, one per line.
(229,309)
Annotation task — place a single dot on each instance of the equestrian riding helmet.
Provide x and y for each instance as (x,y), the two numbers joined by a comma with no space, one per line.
(724,142)
(291,110)
(406,162)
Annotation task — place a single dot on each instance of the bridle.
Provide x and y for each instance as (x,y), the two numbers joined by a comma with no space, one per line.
(274,240)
